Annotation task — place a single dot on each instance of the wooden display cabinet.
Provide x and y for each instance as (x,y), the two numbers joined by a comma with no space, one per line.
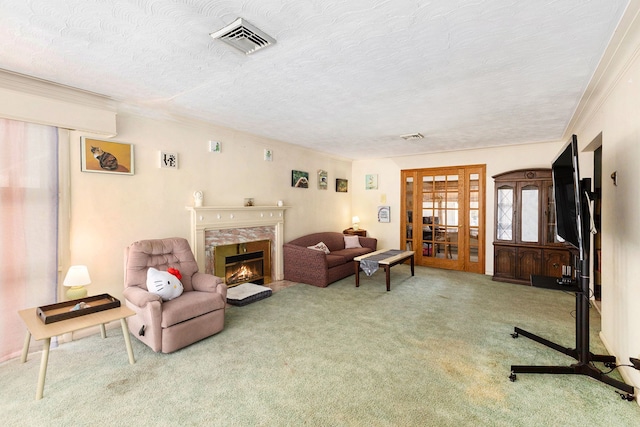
(525,242)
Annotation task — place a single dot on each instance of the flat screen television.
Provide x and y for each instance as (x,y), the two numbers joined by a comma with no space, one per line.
(567,196)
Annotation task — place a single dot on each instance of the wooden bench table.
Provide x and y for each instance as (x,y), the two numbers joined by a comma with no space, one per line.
(386,263)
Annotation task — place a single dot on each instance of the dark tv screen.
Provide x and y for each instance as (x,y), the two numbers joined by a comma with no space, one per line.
(566,185)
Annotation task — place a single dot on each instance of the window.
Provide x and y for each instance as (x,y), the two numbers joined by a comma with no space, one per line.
(29,221)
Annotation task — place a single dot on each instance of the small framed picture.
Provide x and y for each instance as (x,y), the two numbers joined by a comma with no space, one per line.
(268,155)
(215,147)
(299,179)
(384,214)
(371,182)
(323,179)
(106,156)
(342,185)
(168,160)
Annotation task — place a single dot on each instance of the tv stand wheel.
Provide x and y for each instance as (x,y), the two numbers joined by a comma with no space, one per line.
(514,335)
(628,397)
(512,377)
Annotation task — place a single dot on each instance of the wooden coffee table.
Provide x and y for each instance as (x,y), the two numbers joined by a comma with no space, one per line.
(41,331)
(385,262)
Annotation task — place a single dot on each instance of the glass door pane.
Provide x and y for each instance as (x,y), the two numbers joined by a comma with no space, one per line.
(504,229)
(474,217)
(408,235)
(440,216)
(429,215)
(529,214)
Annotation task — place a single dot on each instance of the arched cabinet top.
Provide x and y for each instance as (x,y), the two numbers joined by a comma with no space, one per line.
(524,175)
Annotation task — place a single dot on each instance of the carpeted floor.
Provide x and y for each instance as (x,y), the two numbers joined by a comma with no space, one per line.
(435,351)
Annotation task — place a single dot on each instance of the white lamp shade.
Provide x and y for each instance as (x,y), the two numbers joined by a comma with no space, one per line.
(355,220)
(78,275)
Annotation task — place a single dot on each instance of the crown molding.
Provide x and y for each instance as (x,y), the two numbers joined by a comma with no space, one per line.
(623,50)
(44,88)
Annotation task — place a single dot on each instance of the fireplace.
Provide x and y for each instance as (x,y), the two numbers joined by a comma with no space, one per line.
(244,227)
(244,268)
(239,263)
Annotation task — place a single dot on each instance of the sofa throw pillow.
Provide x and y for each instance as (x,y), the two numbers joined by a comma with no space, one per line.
(351,242)
(320,247)
(163,283)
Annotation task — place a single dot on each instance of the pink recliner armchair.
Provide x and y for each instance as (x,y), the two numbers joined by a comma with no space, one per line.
(167,326)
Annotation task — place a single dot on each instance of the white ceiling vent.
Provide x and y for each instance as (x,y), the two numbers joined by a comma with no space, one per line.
(412,136)
(244,36)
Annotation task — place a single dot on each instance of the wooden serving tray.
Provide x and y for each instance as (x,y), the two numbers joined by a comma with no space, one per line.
(62,311)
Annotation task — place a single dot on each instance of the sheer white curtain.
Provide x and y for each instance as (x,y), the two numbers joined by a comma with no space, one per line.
(28,224)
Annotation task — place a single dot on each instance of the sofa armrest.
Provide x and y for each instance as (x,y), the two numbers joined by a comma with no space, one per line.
(304,255)
(368,242)
(139,296)
(208,283)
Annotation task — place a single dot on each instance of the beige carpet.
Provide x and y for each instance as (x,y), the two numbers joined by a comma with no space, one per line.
(435,351)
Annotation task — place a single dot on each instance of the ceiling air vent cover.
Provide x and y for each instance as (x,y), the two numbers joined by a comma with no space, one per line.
(244,36)
(412,136)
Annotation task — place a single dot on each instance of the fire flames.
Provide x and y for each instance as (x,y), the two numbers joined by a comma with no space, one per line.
(243,273)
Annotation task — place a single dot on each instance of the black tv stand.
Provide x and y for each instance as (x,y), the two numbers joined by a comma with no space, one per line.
(581,352)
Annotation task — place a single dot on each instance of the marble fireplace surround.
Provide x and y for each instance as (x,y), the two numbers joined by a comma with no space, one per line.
(227,225)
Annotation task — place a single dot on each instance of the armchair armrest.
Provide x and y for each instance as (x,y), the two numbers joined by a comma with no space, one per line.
(208,283)
(139,296)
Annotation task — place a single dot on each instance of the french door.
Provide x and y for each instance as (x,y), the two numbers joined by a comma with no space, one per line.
(444,216)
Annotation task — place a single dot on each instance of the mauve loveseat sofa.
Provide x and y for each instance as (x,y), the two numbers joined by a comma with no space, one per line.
(314,267)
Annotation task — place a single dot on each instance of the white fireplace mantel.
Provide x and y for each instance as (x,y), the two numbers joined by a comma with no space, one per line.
(225,217)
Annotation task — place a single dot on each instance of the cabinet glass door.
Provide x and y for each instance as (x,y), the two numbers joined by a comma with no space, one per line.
(530,198)
(504,226)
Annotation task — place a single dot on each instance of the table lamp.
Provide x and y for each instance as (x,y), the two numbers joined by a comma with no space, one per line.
(356,222)
(76,279)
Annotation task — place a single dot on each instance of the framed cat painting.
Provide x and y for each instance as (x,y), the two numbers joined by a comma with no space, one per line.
(106,156)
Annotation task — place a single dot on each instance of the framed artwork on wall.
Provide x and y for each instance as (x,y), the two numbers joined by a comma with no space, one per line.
(323,179)
(384,214)
(371,182)
(215,147)
(106,156)
(342,185)
(168,160)
(299,179)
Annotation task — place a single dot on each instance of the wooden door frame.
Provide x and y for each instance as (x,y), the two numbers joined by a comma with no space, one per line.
(464,238)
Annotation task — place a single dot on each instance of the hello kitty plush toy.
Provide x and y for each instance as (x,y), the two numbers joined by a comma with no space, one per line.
(164,283)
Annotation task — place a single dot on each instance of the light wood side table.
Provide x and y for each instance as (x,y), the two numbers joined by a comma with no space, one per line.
(37,329)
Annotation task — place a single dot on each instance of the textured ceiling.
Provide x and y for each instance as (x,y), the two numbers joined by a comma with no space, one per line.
(345,77)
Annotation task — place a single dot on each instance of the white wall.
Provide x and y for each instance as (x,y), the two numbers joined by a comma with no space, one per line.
(497,160)
(109,211)
(614,113)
